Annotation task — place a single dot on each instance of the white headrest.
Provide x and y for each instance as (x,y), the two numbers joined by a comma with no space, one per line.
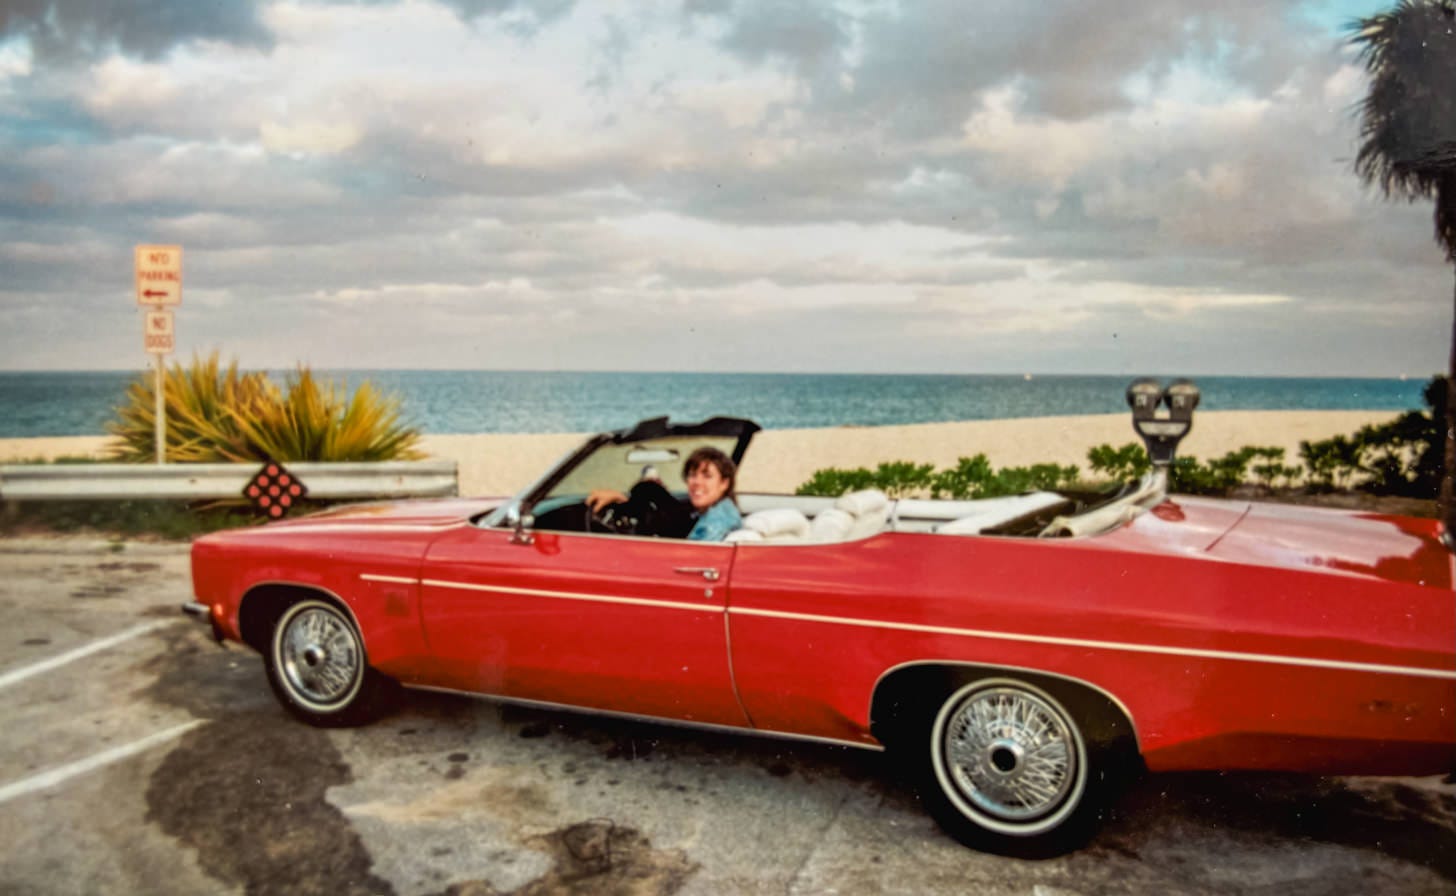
(861,502)
(869,523)
(831,525)
(777,522)
(743,535)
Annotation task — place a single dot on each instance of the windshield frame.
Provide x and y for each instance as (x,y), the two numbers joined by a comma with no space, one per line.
(742,430)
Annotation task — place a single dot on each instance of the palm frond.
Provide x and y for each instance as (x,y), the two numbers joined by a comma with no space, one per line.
(1408,118)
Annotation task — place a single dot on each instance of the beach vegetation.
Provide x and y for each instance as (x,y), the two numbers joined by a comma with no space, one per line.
(970,477)
(1403,457)
(219,414)
(175,520)
(1189,475)
(1267,463)
(1128,461)
(1400,458)
(901,478)
(833,481)
(1331,463)
(974,477)
(1218,476)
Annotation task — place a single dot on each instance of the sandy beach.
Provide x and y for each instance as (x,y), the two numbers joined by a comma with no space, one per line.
(779,460)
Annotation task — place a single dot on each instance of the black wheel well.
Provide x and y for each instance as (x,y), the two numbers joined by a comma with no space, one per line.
(264,605)
(905,699)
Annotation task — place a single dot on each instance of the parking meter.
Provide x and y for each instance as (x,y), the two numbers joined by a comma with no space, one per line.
(1162,416)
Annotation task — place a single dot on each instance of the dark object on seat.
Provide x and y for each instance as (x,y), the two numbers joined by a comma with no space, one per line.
(657,511)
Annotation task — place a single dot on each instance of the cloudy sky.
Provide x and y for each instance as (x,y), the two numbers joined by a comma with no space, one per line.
(1091,187)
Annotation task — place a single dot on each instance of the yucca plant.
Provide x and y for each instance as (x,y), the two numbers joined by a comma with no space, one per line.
(199,400)
(217,414)
(320,421)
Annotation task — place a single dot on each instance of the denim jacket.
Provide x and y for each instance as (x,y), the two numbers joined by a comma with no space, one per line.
(716,522)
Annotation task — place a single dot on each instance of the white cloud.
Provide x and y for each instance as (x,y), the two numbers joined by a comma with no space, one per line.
(16,60)
(311,137)
(1049,152)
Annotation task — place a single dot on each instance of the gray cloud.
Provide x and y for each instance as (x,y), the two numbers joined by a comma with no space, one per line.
(823,174)
(69,30)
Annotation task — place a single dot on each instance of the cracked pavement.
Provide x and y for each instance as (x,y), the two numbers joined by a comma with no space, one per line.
(460,796)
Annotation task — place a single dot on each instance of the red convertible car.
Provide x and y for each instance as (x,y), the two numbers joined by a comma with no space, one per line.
(1019,655)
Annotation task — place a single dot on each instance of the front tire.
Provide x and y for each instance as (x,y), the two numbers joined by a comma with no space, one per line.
(318,668)
(1005,767)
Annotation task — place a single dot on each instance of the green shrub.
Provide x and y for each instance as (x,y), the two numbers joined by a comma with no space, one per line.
(963,479)
(900,478)
(1402,457)
(1191,477)
(1269,466)
(217,414)
(834,482)
(1017,480)
(1129,461)
(971,477)
(1330,463)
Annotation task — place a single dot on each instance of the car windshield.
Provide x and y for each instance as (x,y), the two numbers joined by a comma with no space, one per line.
(620,466)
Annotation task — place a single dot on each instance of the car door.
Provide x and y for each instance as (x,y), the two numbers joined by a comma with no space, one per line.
(620,623)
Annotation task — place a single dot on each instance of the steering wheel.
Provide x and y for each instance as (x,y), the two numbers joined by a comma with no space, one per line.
(612,519)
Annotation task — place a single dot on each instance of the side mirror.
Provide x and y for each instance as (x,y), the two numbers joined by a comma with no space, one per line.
(521,525)
(1162,433)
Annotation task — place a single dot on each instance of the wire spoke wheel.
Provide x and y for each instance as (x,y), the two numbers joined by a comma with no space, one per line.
(317,661)
(1007,752)
(320,656)
(1007,757)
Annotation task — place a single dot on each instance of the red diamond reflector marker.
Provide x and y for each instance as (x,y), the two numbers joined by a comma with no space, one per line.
(274,490)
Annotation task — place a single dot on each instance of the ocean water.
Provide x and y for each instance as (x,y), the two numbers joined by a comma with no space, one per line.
(480,401)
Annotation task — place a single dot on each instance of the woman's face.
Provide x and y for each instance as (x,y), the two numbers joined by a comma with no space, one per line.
(706,486)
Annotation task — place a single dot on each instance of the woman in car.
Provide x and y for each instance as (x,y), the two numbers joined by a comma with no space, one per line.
(712,510)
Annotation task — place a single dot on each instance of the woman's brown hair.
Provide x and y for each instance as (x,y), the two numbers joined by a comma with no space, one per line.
(726,468)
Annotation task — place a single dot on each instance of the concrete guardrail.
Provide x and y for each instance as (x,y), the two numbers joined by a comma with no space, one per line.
(85,482)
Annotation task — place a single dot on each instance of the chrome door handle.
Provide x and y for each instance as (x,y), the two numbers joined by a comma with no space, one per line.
(706,572)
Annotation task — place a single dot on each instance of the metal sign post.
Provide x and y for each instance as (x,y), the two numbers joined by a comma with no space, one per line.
(160,435)
(159,286)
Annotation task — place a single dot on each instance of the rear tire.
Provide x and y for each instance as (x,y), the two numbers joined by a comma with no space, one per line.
(1004,766)
(319,671)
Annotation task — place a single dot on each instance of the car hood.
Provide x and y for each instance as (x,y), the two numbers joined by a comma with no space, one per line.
(438,511)
(1400,549)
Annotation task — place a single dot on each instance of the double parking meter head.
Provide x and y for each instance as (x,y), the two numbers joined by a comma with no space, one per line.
(1162,416)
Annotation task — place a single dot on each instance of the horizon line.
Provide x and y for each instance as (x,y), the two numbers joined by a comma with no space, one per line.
(1403,377)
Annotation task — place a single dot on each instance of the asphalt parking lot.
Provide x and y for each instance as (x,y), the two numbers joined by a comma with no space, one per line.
(136,756)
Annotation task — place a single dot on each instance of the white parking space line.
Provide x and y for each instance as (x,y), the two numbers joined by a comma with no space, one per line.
(63,773)
(24,672)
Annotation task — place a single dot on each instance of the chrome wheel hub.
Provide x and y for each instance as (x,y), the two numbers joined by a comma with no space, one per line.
(1010,754)
(320,656)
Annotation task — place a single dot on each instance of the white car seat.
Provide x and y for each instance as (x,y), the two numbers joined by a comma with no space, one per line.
(831,525)
(870,509)
(779,524)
